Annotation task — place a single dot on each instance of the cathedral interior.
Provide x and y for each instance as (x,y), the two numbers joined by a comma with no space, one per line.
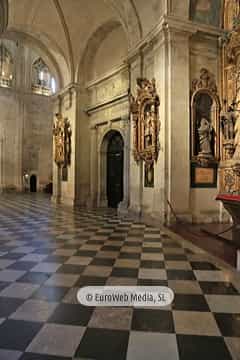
(120,167)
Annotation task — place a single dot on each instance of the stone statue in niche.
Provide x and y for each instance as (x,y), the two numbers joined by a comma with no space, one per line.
(145,117)
(205,119)
(62,141)
(205,138)
(149,175)
(149,127)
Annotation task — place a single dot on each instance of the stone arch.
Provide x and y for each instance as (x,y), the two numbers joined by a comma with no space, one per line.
(47,49)
(92,46)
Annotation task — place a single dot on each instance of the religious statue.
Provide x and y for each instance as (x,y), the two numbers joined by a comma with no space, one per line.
(228,122)
(205,137)
(149,127)
(62,141)
(205,81)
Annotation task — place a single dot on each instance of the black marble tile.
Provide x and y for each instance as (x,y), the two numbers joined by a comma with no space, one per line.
(22,265)
(111,248)
(153,321)
(43,251)
(167,244)
(133,256)
(50,293)
(69,247)
(152,250)
(102,344)
(102,262)
(148,264)
(133,243)
(202,347)
(151,282)
(180,275)
(71,269)
(124,272)
(56,259)
(3,285)
(31,356)
(9,306)
(190,303)
(17,335)
(229,324)
(218,288)
(71,314)
(197,265)
(90,281)
(86,253)
(12,256)
(34,278)
(175,257)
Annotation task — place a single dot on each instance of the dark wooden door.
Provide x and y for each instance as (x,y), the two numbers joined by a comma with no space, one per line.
(33,183)
(115,171)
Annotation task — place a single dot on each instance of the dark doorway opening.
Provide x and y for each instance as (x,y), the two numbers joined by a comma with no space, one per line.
(115,170)
(33,183)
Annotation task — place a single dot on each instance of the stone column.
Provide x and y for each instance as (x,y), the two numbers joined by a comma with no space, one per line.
(2,137)
(177,119)
(123,206)
(93,167)
(135,169)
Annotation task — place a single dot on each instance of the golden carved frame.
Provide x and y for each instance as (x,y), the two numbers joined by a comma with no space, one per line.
(62,141)
(146,125)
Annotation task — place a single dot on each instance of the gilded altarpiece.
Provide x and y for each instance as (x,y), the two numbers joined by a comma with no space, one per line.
(230,116)
(62,141)
(146,126)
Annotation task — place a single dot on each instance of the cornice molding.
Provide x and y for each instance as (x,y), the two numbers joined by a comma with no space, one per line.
(175,25)
(65,91)
(116,70)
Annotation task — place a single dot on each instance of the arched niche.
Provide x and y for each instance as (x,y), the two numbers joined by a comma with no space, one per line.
(205,105)
(94,46)
(43,81)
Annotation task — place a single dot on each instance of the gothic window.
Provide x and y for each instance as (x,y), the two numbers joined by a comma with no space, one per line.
(43,82)
(6,67)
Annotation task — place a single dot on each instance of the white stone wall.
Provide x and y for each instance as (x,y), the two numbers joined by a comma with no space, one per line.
(26,126)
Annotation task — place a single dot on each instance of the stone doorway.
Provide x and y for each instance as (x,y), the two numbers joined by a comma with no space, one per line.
(115,169)
(33,183)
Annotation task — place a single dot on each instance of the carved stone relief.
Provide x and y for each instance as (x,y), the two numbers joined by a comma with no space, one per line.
(109,88)
(146,125)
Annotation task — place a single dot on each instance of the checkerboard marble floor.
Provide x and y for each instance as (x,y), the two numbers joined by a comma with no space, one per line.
(48,253)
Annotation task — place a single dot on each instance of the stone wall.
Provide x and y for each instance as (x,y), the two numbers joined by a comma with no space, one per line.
(26,126)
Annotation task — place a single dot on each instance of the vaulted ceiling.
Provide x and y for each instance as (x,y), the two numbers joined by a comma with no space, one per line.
(64,27)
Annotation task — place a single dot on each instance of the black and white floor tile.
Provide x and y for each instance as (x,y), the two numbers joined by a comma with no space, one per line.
(47,253)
